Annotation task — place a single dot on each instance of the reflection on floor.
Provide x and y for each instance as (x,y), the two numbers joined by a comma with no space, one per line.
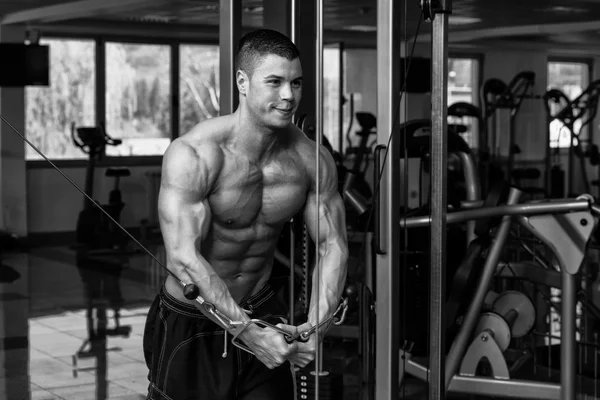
(72,326)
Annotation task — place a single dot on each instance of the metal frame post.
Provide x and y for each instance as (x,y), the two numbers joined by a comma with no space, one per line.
(387,304)
(230,26)
(439,157)
(568,345)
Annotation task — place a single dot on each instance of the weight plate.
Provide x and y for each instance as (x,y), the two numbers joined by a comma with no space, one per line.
(513,300)
(498,328)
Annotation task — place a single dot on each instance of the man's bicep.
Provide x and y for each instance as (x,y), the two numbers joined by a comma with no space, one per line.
(183,211)
(330,206)
(331,217)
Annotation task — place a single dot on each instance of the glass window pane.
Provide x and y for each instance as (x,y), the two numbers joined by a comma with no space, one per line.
(198,85)
(463,87)
(138,98)
(572,79)
(70,98)
(331,96)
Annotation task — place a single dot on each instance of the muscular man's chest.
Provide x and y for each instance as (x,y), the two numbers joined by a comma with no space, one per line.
(270,195)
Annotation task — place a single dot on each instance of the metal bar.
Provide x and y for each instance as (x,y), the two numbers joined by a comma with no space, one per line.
(511,142)
(230,23)
(175,51)
(548,159)
(341,100)
(387,304)
(562,207)
(292,33)
(318,138)
(293,20)
(292,266)
(473,187)
(439,157)
(568,345)
(458,348)
(571,163)
(508,388)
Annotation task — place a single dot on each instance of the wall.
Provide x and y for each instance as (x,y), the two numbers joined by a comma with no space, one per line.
(54,204)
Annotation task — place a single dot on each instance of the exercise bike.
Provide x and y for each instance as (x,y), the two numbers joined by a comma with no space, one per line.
(94,229)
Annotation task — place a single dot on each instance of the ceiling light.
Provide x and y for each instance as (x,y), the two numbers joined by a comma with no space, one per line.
(156,18)
(462,20)
(565,10)
(207,7)
(254,9)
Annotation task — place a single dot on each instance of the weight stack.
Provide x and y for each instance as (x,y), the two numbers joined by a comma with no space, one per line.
(331,386)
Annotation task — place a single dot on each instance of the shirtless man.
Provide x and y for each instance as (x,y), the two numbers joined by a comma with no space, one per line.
(228,187)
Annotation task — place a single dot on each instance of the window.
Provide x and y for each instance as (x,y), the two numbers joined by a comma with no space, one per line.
(70,98)
(198,85)
(331,95)
(463,86)
(138,98)
(571,78)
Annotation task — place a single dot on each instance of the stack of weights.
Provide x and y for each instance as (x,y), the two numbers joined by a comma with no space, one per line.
(331,386)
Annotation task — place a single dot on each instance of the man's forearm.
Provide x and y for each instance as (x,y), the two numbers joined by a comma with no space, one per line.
(332,279)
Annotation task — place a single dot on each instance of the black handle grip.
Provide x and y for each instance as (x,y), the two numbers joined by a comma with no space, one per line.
(289,339)
(191,291)
(376,202)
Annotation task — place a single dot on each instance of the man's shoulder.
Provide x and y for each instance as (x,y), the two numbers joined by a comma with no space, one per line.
(196,156)
(203,142)
(301,143)
(307,149)
(184,151)
(210,132)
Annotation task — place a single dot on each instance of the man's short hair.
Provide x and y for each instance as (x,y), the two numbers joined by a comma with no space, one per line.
(258,44)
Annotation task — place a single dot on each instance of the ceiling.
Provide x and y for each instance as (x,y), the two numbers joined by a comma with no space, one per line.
(567,22)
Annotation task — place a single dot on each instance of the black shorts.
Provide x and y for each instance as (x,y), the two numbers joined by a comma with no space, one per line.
(184,353)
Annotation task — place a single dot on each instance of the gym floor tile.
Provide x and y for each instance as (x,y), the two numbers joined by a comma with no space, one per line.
(134,354)
(113,359)
(63,321)
(138,384)
(55,341)
(61,376)
(41,394)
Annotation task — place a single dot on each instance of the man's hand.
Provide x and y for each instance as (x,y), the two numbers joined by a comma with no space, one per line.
(268,345)
(305,351)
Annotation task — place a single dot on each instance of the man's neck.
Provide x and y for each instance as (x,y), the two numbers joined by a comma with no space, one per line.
(258,142)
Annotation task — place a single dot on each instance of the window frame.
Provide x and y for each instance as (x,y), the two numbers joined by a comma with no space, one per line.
(590,70)
(479,58)
(100,41)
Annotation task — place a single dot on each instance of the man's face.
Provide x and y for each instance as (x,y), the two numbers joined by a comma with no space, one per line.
(274,90)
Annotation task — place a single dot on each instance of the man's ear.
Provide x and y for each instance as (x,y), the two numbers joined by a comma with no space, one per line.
(242,82)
